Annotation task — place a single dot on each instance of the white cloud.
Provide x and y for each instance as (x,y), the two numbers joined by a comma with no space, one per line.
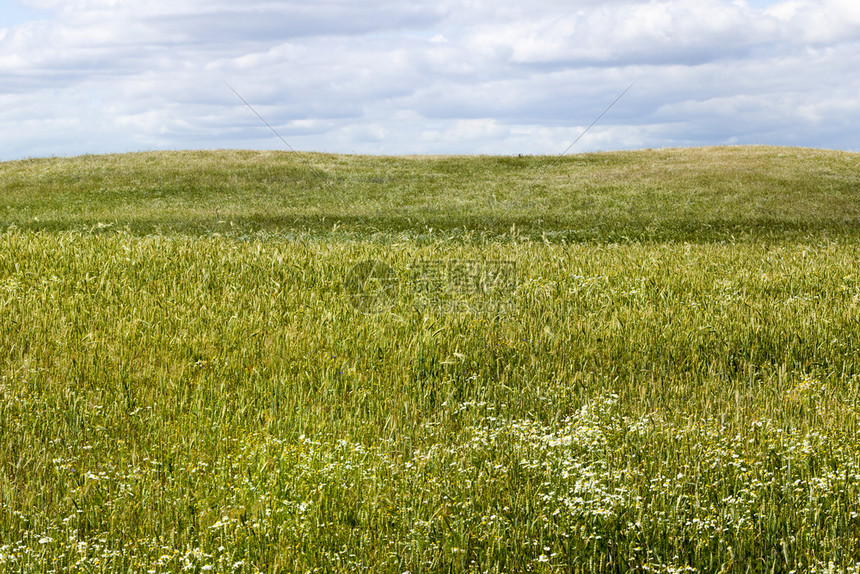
(471,76)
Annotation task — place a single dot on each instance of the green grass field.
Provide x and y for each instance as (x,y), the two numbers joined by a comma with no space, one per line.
(263,362)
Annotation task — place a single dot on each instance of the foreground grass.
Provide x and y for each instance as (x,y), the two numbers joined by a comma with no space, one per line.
(192,400)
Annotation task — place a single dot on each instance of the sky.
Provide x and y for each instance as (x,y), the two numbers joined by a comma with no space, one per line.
(426,76)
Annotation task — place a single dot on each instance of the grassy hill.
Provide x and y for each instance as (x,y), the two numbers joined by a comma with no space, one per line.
(682,194)
(261,362)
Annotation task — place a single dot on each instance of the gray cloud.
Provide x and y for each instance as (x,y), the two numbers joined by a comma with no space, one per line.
(472,76)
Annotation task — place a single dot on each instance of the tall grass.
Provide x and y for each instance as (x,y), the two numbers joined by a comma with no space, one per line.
(219,401)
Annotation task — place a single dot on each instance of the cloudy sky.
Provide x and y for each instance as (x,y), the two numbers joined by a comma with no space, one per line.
(426,76)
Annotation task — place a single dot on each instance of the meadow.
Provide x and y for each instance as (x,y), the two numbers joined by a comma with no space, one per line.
(237,361)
